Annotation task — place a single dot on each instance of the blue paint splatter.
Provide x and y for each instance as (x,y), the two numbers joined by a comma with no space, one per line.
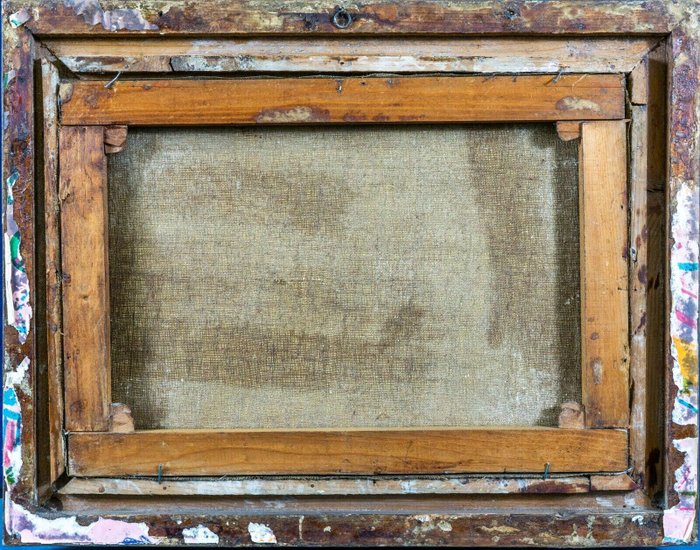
(688,266)
(688,405)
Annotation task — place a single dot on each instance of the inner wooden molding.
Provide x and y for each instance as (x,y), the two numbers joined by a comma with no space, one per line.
(345,276)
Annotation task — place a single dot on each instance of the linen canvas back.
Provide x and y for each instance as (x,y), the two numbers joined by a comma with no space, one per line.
(347,276)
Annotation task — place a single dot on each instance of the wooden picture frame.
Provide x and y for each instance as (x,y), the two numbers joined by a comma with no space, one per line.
(93,451)
(639,212)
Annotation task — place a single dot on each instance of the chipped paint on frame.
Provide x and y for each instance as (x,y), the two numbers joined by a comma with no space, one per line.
(20,17)
(12,436)
(111,20)
(199,535)
(682,442)
(30,528)
(650,16)
(684,307)
(12,423)
(679,520)
(261,533)
(18,307)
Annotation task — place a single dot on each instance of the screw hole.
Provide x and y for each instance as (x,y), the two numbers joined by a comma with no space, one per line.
(341,18)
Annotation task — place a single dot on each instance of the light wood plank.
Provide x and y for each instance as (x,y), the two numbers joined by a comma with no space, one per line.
(343,100)
(405,451)
(301,486)
(604,252)
(54,321)
(347,55)
(83,194)
(639,231)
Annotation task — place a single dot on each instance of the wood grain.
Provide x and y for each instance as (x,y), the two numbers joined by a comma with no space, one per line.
(406,451)
(83,194)
(568,130)
(54,320)
(328,486)
(314,18)
(344,100)
(621,482)
(115,138)
(604,252)
(351,55)
(638,236)
(646,279)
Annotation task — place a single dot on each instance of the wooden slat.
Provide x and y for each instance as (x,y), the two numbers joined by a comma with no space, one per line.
(406,451)
(54,321)
(83,195)
(351,55)
(638,235)
(344,100)
(656,276)
(604,251)
(304,486)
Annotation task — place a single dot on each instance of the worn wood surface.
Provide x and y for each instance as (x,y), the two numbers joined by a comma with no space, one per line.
(83,195)
(647,219)
(638,287)
(639,83)
(115,138)
(607,527)
(121,421)
(604,301)
(351,55)
(572,415)
(210,452)
(613,483)
(357,486)
(327,486)
(54,321)
(569,129)
(212,17)
(541,520)
(401,505)
(682,307)
(343,100)
(20,350)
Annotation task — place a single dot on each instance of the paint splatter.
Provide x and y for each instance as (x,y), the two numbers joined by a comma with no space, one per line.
(111,20)
(12,433)
(199,535)
(19,310)
(679,520)
(33,529)
(261,533)
(19,18)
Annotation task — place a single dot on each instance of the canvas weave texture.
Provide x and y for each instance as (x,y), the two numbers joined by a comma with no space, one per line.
(347,276)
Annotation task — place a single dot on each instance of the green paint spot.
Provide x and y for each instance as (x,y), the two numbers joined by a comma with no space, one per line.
(10,476)
(12,179)
(17,260)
